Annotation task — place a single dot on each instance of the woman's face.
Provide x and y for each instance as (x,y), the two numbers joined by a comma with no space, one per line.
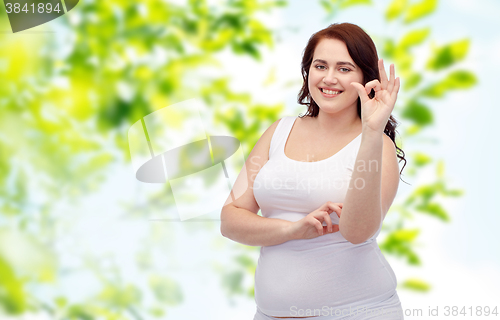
(331,72)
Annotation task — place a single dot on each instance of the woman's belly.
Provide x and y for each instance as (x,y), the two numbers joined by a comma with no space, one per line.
(321,273)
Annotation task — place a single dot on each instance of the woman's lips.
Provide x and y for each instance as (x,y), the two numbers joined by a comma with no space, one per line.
(331,93)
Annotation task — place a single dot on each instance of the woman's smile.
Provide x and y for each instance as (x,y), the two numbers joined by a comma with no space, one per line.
(330,75)
(330,93)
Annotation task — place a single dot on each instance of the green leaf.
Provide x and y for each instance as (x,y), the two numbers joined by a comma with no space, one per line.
(327,5)
(418,113)
(281,3)
(412,81)
(440,168)
(61,302)
(245,261)
(118,296)
(454,193)
(413,129)
(251,292)
(246,47)
(434,209)
(421,159)
(333,6)
(404,60)
(416,284)
(400,242)
(449,54)
(414,38)
(166,290)
(456,80)
(79,312)
(350,3)
(420,10)
(233,281)
(395,9)
(12,295)
(406,235)
(426,192)
(389,48)
(157,312)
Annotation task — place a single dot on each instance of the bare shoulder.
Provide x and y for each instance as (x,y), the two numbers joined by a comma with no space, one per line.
(265,140)
(260,152)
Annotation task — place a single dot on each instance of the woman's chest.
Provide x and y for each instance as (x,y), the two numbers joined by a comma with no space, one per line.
(301,187)
(312,150)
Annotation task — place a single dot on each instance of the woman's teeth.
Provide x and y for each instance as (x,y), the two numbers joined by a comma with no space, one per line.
(330,91)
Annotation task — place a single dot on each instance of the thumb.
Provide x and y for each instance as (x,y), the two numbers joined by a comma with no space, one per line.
(361,91)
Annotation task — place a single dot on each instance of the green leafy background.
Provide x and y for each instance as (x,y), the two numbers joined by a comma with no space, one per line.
(80,238)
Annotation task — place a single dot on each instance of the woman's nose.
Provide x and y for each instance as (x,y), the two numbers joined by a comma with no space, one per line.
(330,79)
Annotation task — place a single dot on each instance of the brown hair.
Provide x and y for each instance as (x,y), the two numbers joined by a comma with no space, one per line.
(362,50)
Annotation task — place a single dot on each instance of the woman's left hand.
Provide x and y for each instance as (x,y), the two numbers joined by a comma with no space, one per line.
(376,112)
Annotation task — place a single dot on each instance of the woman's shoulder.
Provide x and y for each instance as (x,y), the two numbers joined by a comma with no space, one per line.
(268,134)
(264,143)
(286,120)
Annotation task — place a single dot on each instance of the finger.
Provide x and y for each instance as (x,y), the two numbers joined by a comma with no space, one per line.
(319,213)
(328,221)
(361,91)
(395,90)
(390,85)
(335,228)
(374,84)
(327,207)
(319,227)
(324,207)
(334,207)
(382,74)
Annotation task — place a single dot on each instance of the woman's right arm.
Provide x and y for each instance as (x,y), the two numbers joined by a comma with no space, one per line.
(239,219)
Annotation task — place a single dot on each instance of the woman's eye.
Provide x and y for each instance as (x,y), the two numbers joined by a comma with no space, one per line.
(320,67)
(345,69)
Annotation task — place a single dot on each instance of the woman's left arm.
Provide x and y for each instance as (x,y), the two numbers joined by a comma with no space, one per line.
(373,187)
(375,178)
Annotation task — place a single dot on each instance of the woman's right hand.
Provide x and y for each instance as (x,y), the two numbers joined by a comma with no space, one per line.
(311,226)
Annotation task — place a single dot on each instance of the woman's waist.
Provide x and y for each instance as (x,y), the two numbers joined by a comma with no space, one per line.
(343,265)
(279,296)
(324,252)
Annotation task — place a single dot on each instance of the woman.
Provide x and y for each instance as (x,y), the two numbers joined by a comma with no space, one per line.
(324,183)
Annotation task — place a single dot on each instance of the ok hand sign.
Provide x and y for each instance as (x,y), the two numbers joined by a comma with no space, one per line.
(375,112)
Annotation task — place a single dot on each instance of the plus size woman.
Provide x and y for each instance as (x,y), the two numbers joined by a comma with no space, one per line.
(324,183)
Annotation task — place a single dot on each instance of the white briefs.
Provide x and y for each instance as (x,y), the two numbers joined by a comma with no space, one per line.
(327,272)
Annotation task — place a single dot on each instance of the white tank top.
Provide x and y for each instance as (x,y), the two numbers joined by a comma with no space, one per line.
(327,271)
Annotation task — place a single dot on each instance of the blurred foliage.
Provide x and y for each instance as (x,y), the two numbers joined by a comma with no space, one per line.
(414,105)
(419,10)
(65,111)
(12,295)
(416,284)
(332,7)
(67,105)
(399,243)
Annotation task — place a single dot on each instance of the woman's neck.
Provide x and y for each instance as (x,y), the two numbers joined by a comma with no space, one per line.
(338,124)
